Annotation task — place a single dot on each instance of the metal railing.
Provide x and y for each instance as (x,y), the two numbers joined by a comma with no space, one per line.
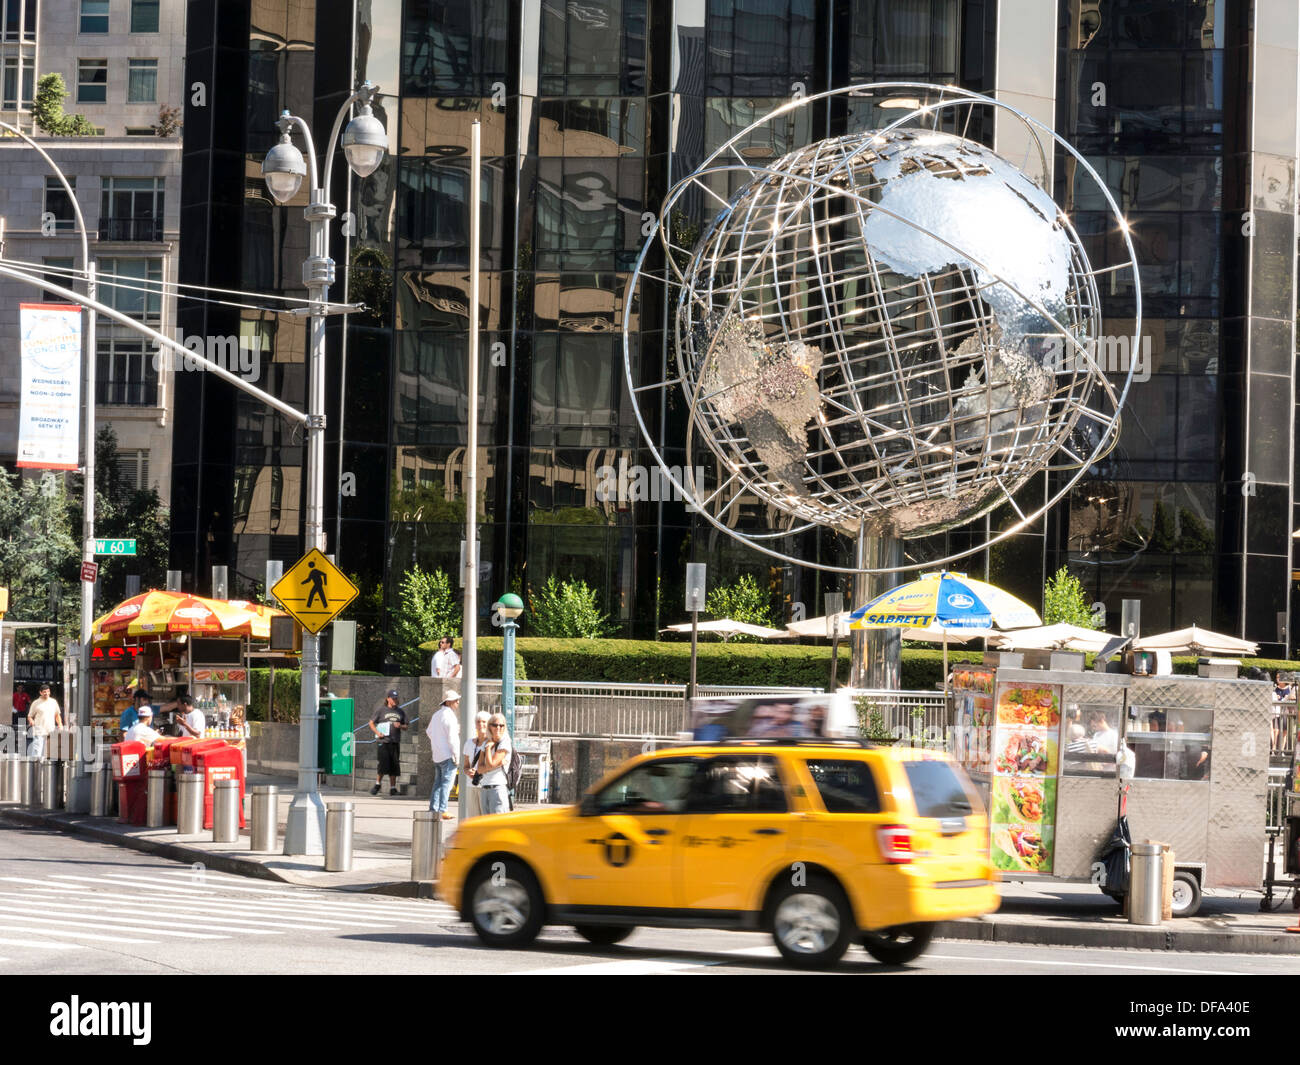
(550,708)
(1282,743)
(147,229)
(915,716)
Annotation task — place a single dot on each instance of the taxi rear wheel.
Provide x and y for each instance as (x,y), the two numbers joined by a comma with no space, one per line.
(812,924)
(900,944)
(505,903)
(604,935)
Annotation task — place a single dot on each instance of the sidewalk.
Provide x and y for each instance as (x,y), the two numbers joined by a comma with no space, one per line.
(1048,914)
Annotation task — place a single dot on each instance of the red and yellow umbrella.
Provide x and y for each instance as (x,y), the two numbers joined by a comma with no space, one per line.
(174,613)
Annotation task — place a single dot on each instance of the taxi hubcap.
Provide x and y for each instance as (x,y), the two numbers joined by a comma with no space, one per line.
(807,924)
(501,908)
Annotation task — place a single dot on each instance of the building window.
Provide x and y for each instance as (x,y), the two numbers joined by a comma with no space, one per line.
(58,204)
(92,81)
(133,286)
(140,131)
(142,81)
(133,467)
(125,374)
(131,209)
(57,273)
(12,101)
(144,16)
(20,20)
(94,16)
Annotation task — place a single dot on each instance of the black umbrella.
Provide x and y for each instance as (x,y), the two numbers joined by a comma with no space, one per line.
(1113,859)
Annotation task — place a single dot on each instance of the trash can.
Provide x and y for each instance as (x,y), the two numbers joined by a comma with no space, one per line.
(156,801)
(51,785)
(101,782)
(225,811)
(338,837)
(426,845)
(1146,884)
(264,837)
(9,787)
(189,804)
(29,782)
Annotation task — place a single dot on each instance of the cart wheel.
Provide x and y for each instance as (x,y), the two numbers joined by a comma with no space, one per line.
(1187,893)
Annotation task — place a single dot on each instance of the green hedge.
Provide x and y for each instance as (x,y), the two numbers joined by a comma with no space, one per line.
(288,695)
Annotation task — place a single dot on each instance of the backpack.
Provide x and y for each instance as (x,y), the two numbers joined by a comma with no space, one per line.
(515,771)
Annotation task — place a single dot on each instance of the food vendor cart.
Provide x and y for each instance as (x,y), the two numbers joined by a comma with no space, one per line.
(1041,746)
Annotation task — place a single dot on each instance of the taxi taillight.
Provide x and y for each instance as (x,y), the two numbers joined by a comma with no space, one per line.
(896,844)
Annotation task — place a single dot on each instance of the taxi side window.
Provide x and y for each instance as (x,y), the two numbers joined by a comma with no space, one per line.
(738,785)
(846,787)
(659,787)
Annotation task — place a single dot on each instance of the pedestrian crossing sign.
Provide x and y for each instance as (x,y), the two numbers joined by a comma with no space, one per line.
(314,591)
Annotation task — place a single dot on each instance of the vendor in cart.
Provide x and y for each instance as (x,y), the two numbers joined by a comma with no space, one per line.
(188,717)
(143,731)
(132,713)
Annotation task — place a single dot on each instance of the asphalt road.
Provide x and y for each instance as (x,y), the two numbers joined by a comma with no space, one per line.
(70,906)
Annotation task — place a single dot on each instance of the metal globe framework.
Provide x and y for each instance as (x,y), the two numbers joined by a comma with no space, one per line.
(885,333)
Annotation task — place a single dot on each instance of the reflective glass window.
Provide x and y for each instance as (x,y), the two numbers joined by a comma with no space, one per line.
(456,47)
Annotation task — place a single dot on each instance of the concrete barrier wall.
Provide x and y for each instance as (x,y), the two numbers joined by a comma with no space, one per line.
(272,749)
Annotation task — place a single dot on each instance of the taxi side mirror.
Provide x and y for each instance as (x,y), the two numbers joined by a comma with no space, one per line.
(587,807)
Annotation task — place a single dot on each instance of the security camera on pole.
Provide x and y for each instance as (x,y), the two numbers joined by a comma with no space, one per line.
(365,143)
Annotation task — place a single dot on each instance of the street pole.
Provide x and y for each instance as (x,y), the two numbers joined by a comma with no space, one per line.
(508,676)
(469,630)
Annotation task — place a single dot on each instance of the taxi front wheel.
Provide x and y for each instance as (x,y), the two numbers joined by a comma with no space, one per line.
(900,944)
(506,906)
(811,924)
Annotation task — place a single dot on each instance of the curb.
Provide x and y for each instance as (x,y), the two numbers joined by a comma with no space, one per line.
(1122,937)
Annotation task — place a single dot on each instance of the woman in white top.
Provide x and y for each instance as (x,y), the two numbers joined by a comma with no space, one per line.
(494,793)
(469,801)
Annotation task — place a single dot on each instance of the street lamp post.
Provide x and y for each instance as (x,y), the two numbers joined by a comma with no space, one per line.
(509,606)
(365,143)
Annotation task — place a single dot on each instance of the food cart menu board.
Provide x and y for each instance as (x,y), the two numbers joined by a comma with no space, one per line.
(1025,751)
(973,703)
(112,693)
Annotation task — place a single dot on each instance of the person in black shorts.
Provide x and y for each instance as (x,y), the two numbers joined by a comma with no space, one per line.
(388,723)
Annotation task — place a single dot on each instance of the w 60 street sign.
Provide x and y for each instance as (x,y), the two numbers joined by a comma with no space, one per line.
(115,547)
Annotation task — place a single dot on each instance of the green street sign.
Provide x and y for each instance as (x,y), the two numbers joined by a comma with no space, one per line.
(115,547)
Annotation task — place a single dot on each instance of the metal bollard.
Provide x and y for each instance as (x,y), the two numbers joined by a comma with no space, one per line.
(225,811)
(29,782)
(189,804)
(264,834)
(1146,884)
(426,845)
(97,773)
(9,787)
(339,817)
(51,785)
(155,815)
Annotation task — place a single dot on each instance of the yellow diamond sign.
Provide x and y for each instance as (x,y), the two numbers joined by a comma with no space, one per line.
(314,591)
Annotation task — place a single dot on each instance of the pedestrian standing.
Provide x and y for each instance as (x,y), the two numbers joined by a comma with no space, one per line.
(42,718)
(446,662)
(470,806)
(22,703)
(388,723)
(494,790)
(444,742)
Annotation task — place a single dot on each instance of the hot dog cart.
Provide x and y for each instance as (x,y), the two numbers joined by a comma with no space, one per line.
(1041,745)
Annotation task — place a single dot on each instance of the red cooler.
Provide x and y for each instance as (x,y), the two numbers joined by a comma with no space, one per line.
(127,761)
(221,762)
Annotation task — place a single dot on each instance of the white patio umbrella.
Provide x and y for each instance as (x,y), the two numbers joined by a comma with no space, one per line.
(1059,637)
(727,628)
(817,626)
(1197,641)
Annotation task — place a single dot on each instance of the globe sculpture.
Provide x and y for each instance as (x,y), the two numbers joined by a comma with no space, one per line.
(885,333)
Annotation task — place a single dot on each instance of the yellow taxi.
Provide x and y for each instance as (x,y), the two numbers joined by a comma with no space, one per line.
(820,843)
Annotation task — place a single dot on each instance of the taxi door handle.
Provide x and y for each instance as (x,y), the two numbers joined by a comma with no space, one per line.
(656,831)
(767,831)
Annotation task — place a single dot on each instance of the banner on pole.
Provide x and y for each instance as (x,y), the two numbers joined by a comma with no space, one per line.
(49,413)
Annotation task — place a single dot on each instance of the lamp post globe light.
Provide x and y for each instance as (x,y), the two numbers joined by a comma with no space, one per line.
(365,142)
(509,606)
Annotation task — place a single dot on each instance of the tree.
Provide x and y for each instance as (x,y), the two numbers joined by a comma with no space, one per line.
(169,121)
(566,610)
(428,608)
(742,600)
(48,114)
(1065,603)
(38,550)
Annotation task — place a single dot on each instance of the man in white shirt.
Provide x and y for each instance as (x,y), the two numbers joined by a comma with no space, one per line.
(143,731)
(42,719)
(190,718)
(444,742)
(446,662)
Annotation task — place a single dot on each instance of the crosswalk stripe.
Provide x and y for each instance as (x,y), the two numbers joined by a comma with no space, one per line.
(77,935)
(113,904)
(202,920)
(37,944)
(209,880)
(163,930)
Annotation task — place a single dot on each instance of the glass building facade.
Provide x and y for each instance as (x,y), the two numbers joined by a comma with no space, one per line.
(590,111)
